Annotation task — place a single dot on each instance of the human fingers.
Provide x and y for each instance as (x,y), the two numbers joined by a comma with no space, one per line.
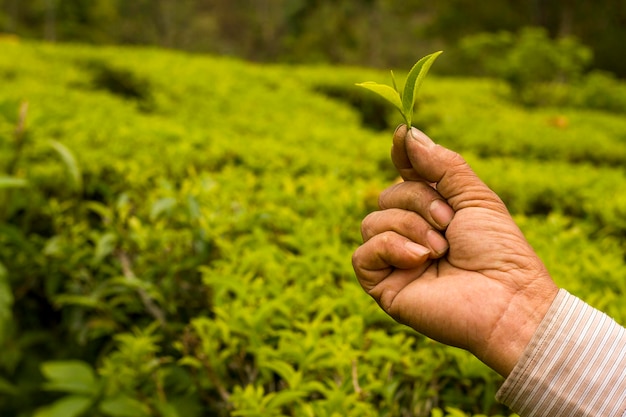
(408,224)
(399,156)
(388,262)
(456,181)
(421,198)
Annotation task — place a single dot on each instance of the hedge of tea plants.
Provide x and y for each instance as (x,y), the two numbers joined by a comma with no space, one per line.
(176,233)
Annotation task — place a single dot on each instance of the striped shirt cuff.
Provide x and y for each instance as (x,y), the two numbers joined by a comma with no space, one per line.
(575,365)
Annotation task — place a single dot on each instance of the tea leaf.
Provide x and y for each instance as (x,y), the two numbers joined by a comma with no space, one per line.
(123,406)
(404,102)
(12,182)
(393,81)
(413,83)
(70,163)
(70,406)
(384,91)
(283,398)
(70,376)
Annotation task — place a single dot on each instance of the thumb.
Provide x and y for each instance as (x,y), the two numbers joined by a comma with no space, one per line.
(454,178)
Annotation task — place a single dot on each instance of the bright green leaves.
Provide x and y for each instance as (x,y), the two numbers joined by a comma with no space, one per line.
(85,390)
(70,376)
(405,102)
(70,163)
(413,83)
(77,379)
(388,93)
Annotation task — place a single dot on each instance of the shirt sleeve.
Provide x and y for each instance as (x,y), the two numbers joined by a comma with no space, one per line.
(574,365)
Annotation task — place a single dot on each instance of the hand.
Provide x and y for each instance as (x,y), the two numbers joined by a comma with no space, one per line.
(445,257)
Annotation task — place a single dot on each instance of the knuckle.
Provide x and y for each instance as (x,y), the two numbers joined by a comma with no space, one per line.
(409,221)
(383,199)
(387,196)
(367,225)
(454,159)
(356,260)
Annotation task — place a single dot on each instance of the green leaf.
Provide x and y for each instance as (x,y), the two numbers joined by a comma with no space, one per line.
(105,245)
(286,371)
(454,412)
(404,102)
(393,81)
(436,412)
(88,301)
(285,397)
(7,387)
(162,205)
(6,303)
(167,410)
(385,92)
(70,376)
(70,163)
(190,361)
(70,406)
(12,182)
(123,406)
(413,83)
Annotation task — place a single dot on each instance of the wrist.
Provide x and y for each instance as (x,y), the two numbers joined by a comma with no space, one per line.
(516,327)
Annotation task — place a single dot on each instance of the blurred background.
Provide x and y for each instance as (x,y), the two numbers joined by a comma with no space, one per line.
(375,33)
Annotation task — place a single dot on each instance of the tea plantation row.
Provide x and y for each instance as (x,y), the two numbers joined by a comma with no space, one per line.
(176,233)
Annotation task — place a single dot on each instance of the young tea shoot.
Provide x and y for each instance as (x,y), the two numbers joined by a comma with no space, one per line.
(404,101)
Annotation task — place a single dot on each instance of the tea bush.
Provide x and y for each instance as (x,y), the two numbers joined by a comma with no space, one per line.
(541,71)
(527,60)
(186,252)
(601,91)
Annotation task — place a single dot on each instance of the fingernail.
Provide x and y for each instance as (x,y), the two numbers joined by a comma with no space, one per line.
(421,138)
(438,244)
(418,250)
(441,213)
(398,128)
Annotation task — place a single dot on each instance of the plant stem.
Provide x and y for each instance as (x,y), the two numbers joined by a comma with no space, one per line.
(150,306)
(19,135)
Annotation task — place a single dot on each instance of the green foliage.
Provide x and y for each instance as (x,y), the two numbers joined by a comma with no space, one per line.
(528,60)
(121,82)
(6,304)
(379,33)
(70,376)
(405,102)
(542,71)
(601,91)
(188,261)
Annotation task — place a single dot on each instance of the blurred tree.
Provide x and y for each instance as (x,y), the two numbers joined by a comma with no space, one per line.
(252,28)
(458,18)
(50,31)
(378,33)
(8,15)
(85,20)
(158,22)
(368,32)
(602,26)
(91,21)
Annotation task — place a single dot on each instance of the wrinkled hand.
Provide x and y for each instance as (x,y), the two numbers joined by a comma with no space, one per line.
(444,256)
